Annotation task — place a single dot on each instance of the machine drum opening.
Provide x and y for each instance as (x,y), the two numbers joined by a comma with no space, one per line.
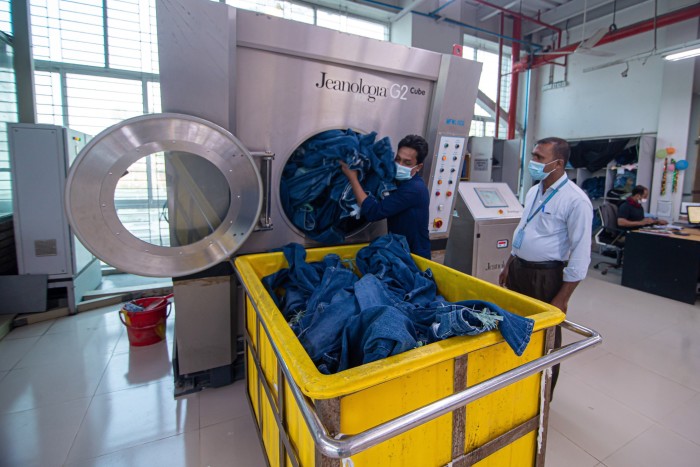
(186,200)
(315,194)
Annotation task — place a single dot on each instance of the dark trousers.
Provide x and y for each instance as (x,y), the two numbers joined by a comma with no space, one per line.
(541,281)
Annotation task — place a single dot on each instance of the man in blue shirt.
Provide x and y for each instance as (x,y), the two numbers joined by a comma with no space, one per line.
(406,208)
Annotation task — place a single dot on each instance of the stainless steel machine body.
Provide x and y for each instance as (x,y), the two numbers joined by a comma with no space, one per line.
(486,217)
(264,85)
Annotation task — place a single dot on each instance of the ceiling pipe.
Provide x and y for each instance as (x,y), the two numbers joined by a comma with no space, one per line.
(408,9)
(494,13)
(635,29)
(515,14)
(513,106)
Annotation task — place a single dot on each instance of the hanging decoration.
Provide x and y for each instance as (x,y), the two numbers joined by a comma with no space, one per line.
(682,164)
(663,177)
(672,167)
(664,152)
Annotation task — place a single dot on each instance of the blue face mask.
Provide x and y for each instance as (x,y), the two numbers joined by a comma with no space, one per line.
(536,170)
(403,173)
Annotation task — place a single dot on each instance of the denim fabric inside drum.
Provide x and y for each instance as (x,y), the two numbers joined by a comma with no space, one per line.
(315,194)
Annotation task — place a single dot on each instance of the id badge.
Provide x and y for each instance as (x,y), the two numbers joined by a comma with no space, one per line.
(518,241)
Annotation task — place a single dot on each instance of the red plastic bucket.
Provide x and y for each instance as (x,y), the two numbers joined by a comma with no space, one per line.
(146,327)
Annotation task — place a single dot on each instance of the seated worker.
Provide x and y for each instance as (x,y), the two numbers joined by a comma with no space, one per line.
(630,214)
(406,208)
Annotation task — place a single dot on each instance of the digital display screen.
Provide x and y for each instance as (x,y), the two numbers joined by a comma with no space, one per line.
(491,197)
(694,214)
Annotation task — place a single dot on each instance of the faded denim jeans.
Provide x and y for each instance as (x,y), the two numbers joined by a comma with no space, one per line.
(343,321)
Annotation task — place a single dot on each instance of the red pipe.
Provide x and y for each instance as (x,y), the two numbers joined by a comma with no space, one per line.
(515,14)
(513,107)
(667,19)
(498,88)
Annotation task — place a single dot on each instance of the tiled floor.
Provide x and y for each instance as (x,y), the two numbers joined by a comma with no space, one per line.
(73,393)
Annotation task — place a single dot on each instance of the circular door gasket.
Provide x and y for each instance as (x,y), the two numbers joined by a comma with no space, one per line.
(93,177)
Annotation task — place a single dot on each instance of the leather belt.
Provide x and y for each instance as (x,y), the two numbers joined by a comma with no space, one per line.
(541,264)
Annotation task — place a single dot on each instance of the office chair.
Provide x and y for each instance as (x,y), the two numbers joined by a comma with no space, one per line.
(610,238)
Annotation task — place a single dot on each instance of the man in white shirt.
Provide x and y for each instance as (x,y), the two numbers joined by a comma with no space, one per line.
(552,243)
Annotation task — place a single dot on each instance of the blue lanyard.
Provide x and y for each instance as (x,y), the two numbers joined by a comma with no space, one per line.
(541,207)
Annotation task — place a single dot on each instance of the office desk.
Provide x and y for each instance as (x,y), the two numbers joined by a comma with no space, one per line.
(663,264)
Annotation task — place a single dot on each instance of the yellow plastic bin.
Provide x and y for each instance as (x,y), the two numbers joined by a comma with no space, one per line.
(431,406)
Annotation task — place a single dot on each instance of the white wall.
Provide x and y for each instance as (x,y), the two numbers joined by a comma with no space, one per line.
(692,155)
(602,103)
(655,97)
(674,116)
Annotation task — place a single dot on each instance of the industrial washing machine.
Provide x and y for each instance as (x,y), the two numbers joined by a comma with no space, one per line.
(241,91)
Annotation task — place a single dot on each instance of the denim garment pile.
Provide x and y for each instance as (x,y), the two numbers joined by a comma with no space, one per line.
(344,321)
(315,194)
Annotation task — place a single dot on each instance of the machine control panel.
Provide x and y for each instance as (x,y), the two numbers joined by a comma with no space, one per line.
(448,162)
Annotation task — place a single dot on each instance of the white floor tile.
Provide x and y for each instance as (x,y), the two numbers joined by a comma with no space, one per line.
(685,420)
(29,388)
(218,405)
(88,320)
(40,437)
(58,348)
(643,390)
(12,351)
(233,443)
(594,421)
(681,337)
(30,330)
(128,418)
(562,452)
(176,451)
(673,363)
(583,358)
(656,447)
(139,366)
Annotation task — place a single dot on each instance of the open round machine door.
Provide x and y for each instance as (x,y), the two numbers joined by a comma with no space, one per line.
(164,195)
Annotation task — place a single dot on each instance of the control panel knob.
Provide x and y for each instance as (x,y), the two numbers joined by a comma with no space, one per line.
(453,169)
(439,182)
(454,158)
(437,223)
(442,170)
(457,145)
(450,182)
(449,193)
(447,145)
(437,193)
(444,158)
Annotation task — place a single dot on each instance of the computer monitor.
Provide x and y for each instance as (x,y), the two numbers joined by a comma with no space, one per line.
(685,204)
(694,215)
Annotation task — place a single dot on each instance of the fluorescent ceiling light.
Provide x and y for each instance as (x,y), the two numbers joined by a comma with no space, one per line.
(684,54)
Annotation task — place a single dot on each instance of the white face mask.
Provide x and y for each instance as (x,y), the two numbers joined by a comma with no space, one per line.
(403,173)
(536,170)
(643,200)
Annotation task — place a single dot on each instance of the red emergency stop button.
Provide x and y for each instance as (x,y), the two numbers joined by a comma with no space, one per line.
(449,193)
(437,223)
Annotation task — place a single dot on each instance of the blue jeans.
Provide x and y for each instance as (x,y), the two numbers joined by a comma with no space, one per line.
(343,321)
(315,194)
